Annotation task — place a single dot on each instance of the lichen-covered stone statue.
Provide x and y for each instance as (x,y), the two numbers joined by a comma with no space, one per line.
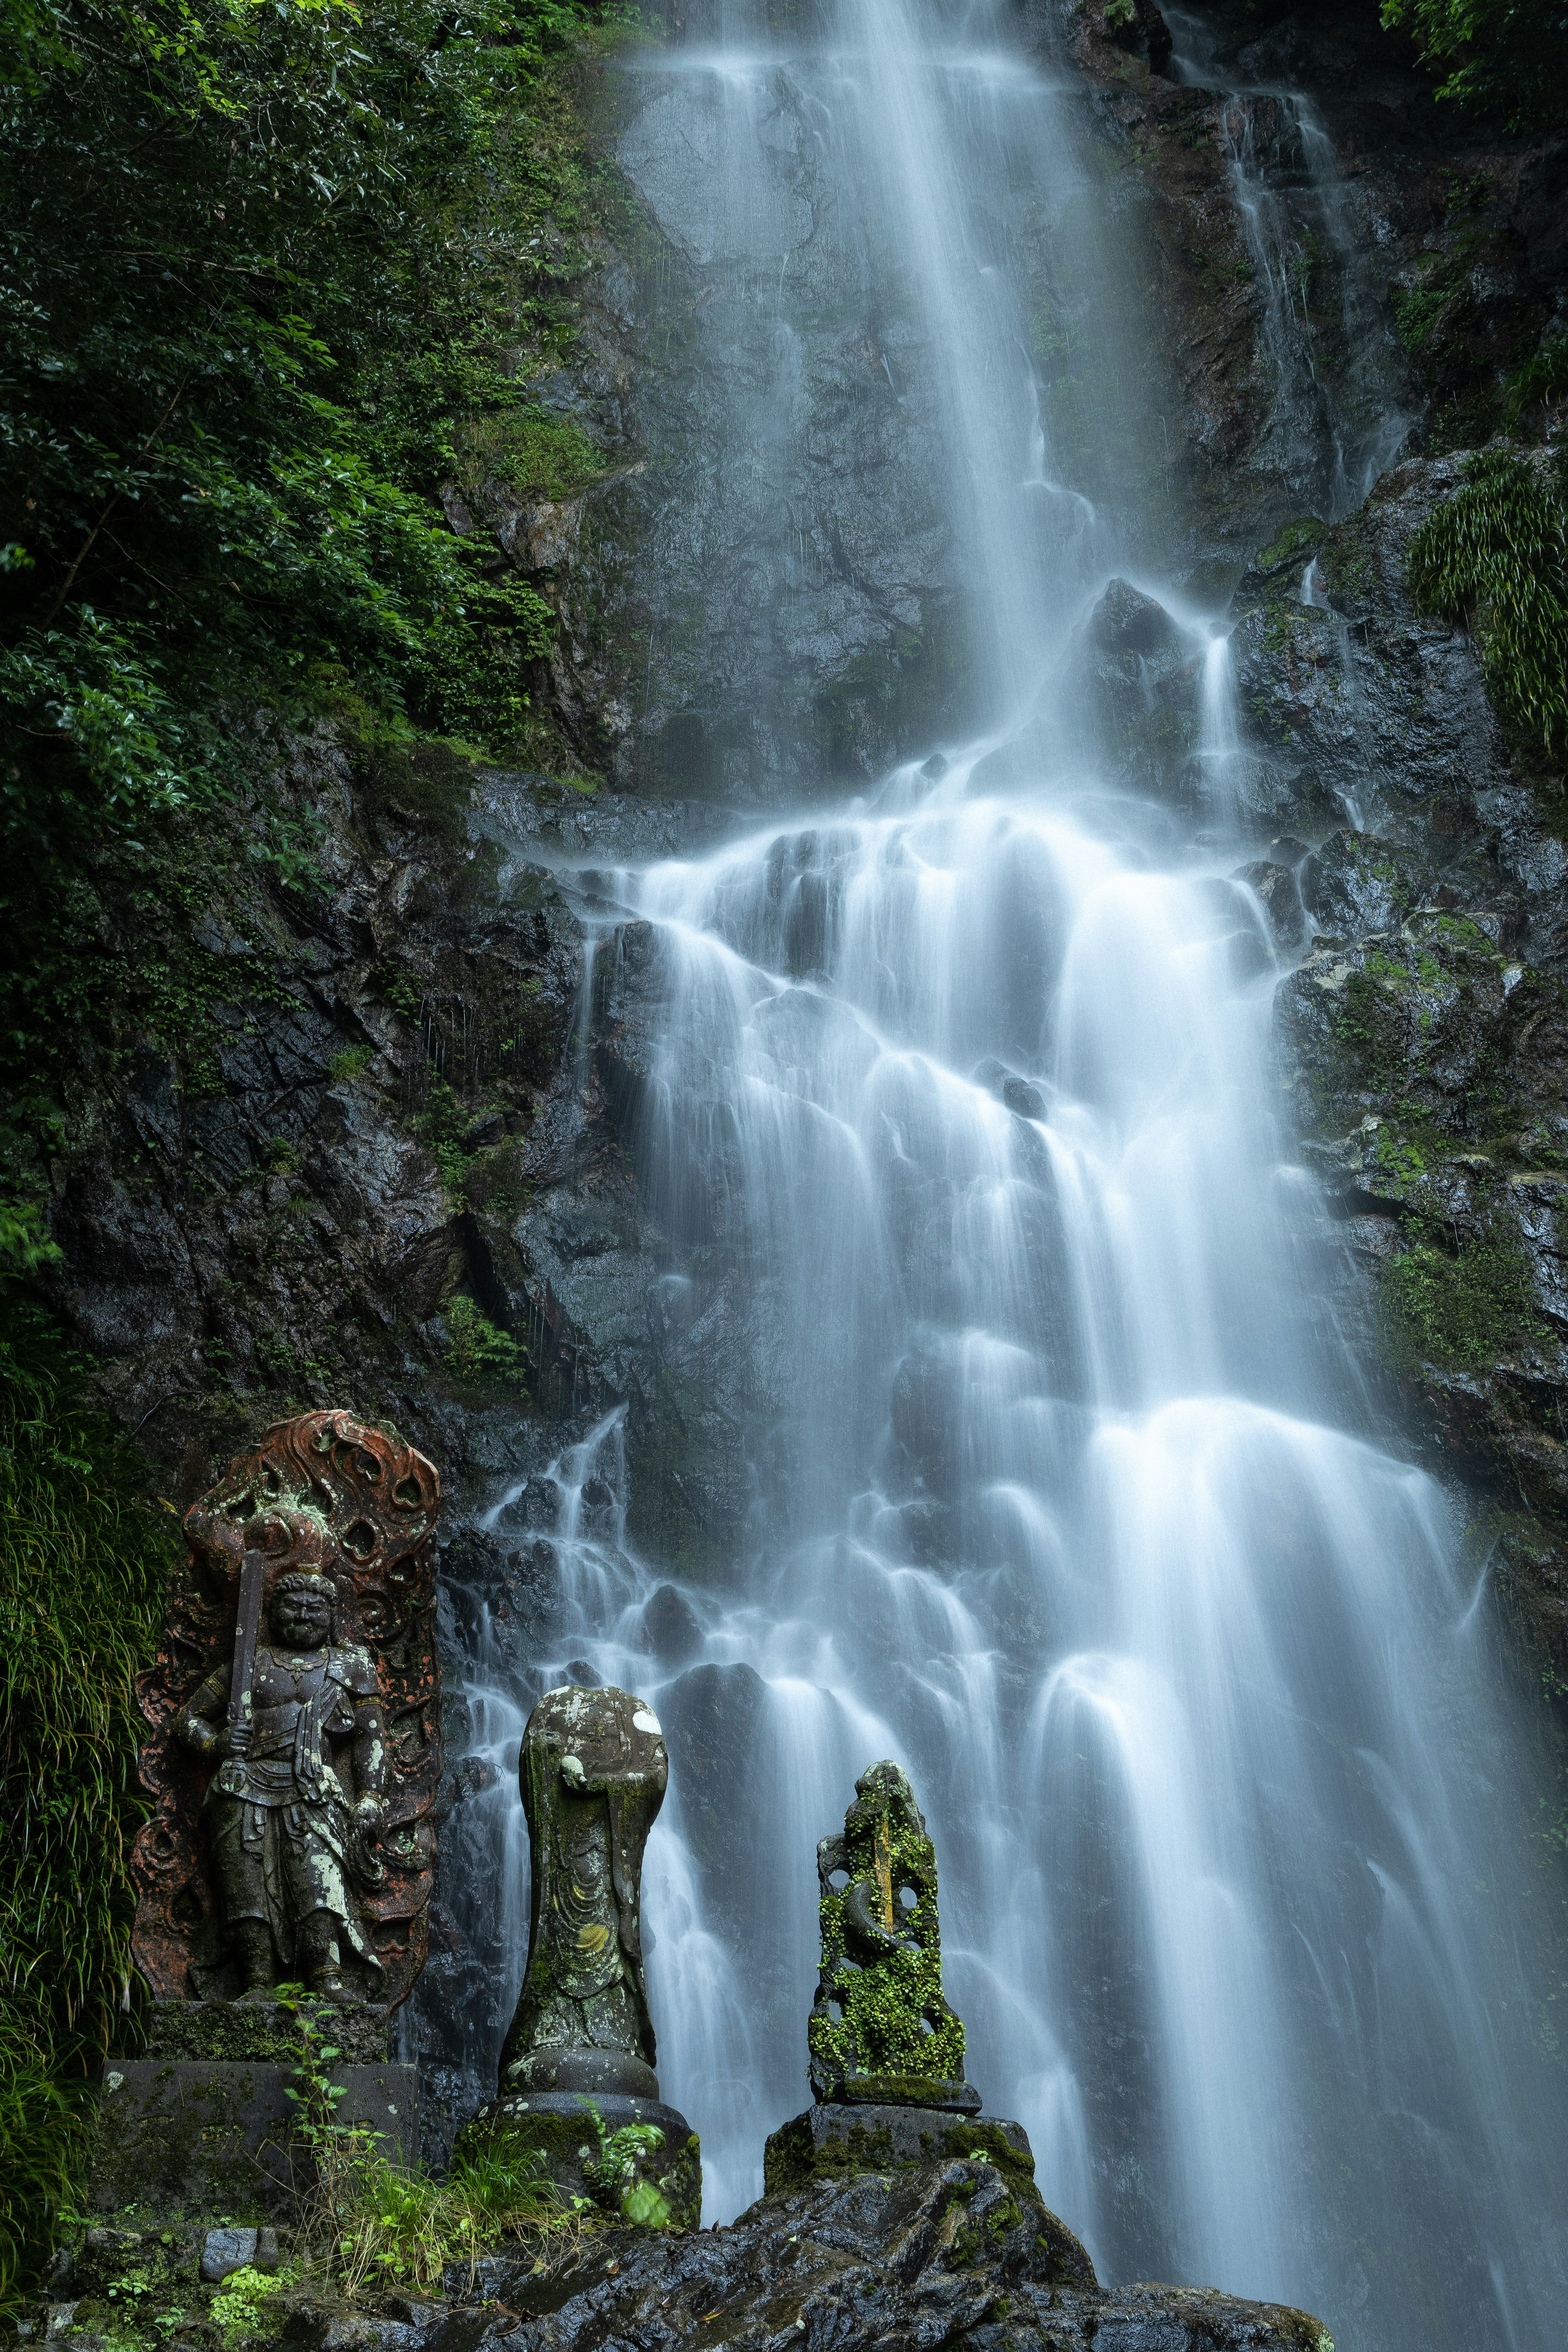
(880,2028)
(886,2050)
(296,1736)
(578,2066)
(593,1768)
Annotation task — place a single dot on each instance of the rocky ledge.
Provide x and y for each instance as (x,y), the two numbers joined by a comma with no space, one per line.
(950,2254)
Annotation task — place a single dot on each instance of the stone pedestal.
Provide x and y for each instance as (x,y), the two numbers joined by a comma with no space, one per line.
(830,2140)
(202,2127)
(559,2125)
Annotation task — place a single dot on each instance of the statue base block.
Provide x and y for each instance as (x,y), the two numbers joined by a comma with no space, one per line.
(206,2137)
(827,2142)
(559,2125)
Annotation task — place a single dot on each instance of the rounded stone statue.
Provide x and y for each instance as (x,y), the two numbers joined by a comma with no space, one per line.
(290,1847)
(577,2080)
(593,1770)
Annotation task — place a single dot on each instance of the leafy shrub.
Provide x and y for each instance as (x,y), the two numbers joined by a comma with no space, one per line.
(1497,554)
(237,2308)
(1541,380)
(234,379)
(368,2221)
(480,1353)
(528,449)
(615,2172)
(1508,57)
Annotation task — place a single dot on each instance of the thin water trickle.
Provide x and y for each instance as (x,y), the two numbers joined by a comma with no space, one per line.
(967,1084)
(1334,429)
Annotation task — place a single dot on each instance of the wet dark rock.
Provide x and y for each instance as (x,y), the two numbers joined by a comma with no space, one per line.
(713,1719)
(1387,729)
(1351,884)
(926,1419)
(1275,886)
(1126,627)
(1020,1096)
(1428,1069)
(669,1626)
(1141,684)
(950,2254)
(223,2252)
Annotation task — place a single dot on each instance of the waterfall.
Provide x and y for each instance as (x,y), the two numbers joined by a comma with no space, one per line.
(1336,422)
(960,1108)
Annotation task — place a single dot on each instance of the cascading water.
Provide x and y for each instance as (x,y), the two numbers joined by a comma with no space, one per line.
(1337,423)
(968,1083)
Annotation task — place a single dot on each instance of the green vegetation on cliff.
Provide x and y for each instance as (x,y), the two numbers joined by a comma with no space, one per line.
(274,276)
(1507,57)
(82,1562)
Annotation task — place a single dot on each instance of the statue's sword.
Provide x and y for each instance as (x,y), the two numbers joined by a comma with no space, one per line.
(248,1625)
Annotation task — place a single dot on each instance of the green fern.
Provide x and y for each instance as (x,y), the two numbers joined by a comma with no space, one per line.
(1496,554)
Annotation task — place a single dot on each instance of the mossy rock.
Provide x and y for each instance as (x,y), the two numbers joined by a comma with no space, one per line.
(830,2142)
(561,2129)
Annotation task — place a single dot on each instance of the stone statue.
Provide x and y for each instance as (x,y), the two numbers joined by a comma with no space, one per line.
(880,2030)
(296,1744)
(578,2092)
(886,2051)
(288,1853)
(593,1770)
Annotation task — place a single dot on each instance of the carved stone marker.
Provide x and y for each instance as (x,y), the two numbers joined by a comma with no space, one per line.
(294,1760)
(880,2028)
(578,2063)
(887,2050)
(292,1837)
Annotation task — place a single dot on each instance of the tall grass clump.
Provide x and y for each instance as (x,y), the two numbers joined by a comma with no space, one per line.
(83,1559)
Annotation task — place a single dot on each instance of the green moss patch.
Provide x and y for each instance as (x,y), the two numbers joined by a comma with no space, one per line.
(1459,1309)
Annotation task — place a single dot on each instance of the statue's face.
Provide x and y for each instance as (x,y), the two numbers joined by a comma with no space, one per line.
(301,1620)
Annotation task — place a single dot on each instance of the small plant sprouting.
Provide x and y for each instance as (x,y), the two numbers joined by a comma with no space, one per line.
(479,1352)
(235,2309)
(616,2176)
(368,2218)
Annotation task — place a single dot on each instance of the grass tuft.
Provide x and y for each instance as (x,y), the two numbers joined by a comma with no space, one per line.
(83,1560)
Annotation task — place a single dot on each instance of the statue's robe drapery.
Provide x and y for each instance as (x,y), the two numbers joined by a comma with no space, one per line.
(278,1824)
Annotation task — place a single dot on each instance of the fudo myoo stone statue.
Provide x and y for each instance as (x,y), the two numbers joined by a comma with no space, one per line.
(293,1848)
(578,2066)
(886,2050)
(293,1760)
(296,1746)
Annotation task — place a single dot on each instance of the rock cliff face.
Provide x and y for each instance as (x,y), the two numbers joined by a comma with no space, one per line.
(1424,1035)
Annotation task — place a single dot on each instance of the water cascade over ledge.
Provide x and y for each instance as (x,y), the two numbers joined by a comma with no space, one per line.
(1063,1502)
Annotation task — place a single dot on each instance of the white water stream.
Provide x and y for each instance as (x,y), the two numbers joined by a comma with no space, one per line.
(973,1079)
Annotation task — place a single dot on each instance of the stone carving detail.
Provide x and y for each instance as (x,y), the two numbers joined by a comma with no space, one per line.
(303,1849)
(880,2031)
(593,1770)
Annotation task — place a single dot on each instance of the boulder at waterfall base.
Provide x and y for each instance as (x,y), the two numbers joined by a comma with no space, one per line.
(949,2255)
